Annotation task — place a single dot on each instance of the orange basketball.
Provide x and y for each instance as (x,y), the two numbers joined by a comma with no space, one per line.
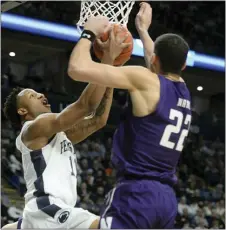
(126,53)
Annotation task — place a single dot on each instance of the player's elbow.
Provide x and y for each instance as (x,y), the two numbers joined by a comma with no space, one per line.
(102,122)
(75,71)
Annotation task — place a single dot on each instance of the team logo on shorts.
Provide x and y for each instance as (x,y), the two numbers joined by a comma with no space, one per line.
(63,217)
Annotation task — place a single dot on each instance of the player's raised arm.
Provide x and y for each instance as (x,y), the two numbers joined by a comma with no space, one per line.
(48,124)
(82,68)
(88,126)
(85,128)
(143,21)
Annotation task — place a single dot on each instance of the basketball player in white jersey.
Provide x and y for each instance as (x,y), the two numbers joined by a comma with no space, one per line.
(46,144)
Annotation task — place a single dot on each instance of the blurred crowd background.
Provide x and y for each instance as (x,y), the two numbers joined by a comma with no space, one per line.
(41,63)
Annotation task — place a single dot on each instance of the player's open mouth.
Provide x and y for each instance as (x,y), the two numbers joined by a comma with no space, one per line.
(45,102)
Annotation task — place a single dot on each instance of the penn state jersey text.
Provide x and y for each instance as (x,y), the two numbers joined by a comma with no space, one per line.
(149,147)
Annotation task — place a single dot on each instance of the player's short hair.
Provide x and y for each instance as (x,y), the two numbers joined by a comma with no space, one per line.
(10,108)
(172,51)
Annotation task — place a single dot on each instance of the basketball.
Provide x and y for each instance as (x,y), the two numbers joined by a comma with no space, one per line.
(126,53)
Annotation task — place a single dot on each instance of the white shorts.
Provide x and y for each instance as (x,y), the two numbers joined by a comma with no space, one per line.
(57,216)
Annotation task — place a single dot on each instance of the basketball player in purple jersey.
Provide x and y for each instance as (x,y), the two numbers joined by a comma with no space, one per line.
(149,141)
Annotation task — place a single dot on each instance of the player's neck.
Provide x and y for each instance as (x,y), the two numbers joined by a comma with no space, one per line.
(174,77)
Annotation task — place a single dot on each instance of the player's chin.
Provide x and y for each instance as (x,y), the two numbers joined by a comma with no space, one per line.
(47,108)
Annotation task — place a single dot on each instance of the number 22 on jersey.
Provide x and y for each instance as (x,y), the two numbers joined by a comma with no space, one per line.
(176,114)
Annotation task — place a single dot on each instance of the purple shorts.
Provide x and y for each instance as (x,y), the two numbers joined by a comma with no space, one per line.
(140,204)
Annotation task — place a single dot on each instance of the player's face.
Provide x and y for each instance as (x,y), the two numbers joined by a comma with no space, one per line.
(31,104)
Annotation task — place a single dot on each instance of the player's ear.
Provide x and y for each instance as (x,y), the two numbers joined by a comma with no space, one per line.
(22,111)
(184,66)
(153,58)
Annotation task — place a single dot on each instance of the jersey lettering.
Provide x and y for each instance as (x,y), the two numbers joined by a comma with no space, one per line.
(66,146)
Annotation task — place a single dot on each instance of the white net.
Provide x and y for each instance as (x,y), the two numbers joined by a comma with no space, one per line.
(116,11)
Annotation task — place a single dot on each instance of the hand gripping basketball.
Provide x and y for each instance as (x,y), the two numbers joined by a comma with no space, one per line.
(119,42)
(114,46)
(98,25)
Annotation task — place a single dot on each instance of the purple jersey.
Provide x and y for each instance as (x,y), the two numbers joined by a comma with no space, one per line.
(145,154)
(149,147)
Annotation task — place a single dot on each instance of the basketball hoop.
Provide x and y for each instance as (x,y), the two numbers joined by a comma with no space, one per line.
(116,11)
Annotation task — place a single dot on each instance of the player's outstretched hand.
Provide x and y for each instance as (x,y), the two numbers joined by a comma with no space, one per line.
(98,25)
(144,17)
(114,46)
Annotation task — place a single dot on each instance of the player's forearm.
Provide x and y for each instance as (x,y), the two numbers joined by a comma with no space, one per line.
(104,108)
(92,96)
(105,105)
(148,46)
(80,59)
(82,68)
(87,127)
(81,56)
(99,93)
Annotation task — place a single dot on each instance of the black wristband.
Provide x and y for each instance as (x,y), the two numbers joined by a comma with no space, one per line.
(88,35)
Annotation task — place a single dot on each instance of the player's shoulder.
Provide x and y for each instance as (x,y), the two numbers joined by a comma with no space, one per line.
(34,128)
(143,77)
(147,72)
(45,117)
(136,69)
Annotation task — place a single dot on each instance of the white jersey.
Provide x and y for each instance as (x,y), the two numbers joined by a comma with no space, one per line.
(50,175)
(49,172)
